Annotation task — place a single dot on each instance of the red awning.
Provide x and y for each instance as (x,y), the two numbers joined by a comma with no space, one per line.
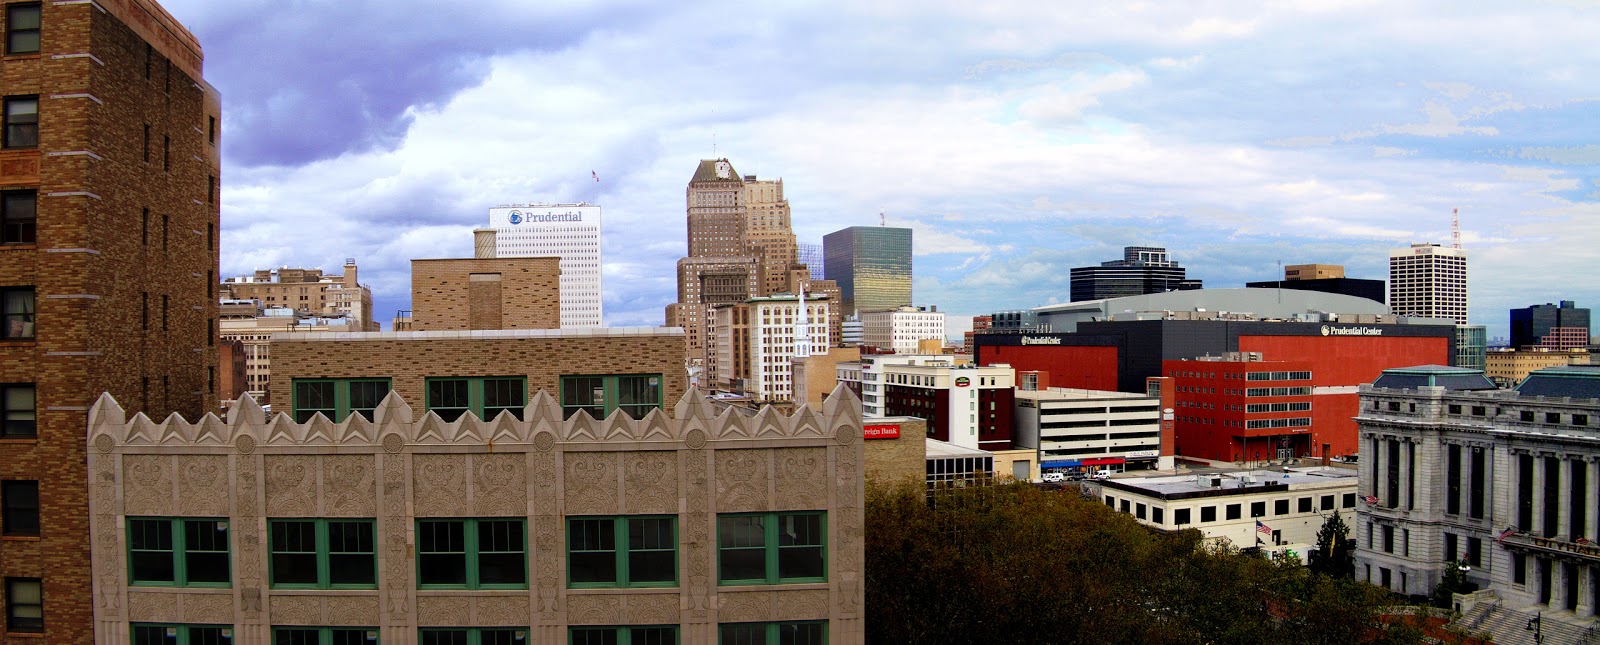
(1104,461)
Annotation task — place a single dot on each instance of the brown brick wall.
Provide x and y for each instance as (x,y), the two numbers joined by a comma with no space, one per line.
(892,462)
(93,265)
(443,296)
(408,363)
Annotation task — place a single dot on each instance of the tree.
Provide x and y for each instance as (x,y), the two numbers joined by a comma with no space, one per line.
(1453,581)
(1335,555)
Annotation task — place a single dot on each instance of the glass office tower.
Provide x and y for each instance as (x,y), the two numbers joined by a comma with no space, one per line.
(872,265)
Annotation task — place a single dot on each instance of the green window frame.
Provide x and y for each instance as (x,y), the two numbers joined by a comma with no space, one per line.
(803,632)
(602,394)
(623,635)
(337,399)
(625,551)
(179,552)
(485,396)
(178,634)
(772,548)
(309,553)
(472,553)
(472,636)
(324,636)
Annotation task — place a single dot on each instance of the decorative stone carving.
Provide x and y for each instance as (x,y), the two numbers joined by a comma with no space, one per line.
(499,485)
(498,611)
(591,482)
(439,484)
(296,610)
(654,609)
(444,611)
(741,480)
(353,610)
(152,607)
(802,604)
(213,608)
(104,443)
(393,442)
(396,574)
(802,479)
(348,486)
(594,609)
(291,485)
(203,484)
(696,439)
(650,482)
(745,606)
(544,441)
(245,444)
(147,484)
(547,574)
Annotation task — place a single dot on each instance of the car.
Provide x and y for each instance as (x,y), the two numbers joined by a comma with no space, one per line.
(1054,477)
(1077,476)
(1103,473)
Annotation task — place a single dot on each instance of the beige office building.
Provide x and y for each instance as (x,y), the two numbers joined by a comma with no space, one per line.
(308,290)
(252,325)
(1509,366)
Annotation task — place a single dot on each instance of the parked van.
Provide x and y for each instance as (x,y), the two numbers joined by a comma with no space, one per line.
(1103,473)
(1054,477)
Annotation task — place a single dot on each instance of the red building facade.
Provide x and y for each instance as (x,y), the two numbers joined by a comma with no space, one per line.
(1231,410)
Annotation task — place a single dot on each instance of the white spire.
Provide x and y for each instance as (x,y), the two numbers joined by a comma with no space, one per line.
(802,330)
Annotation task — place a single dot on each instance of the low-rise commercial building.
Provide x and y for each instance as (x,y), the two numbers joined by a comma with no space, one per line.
(1507,367)
(308,290)
(1266,507)
(965,405)
(1238,407)
(1088,430)
(900,330)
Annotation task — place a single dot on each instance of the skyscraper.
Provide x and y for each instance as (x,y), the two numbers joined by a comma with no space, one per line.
(872,265)
(1430,281)
(1550,326)
(108,273)
(1142,270)
(811,256)
(568,231)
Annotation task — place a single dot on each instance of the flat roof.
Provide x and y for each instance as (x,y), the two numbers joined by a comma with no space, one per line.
(1074,394)
(1185,486)
(937,449)
(480,334)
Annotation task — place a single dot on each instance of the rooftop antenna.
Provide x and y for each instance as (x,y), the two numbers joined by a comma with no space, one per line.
(883,219)
(1455,227)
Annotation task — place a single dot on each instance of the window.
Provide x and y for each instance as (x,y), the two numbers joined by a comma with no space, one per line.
(1475,551)
(18,418)
(766,548)
(1450,547)
(211,128)
(20,500)
(1233,511)
(323,554)
(1348,500)
(473,636)
(1208,514)
(324,636)
(1258,509)
(1327,500)
(472,554)
(19,214)
(337,399)
(22,122)
(1303,505)
(622,551)
(166,153)
(17,306)
(24,605)
(1180,516)
(802,633)
(147,634)
(22,29)
(1156,515)
(184,552)
(485,397)
(1519,568)
(635,394)
(624,635)
(1280,507)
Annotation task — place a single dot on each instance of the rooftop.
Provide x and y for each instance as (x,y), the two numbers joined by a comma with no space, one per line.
(482,334)
(1234,483)
(1575,381)
(1449,378)
(1075,394)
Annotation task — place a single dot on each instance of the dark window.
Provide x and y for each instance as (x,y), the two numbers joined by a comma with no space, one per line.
(22,122)
(1452,477)
(1233,511)
(146,149)
(1476,485)
(24,605)
(18,415)
(1208,514)
(472,554)
(1157,515)
(1475,551)
(635,394)
(1139,511)
(323,554)
(211,190)
(22,29)
(472,636)
(166,153)
(19,217)
(1180,516)
(485,397)
(1519,568)
(1552,496)
(166,223)
(1280,507)
(806,633)
(1580,419)
(1258,509)
(1526,416)
(337,399)
(1327,502)
(622,552)
(20,502)
(211,130)
(624,635)
(1388,539)
(1578,503)
(17,305)
(144,230)
(1303,505)
(324,636)
(147,634)
(178,552)
(1450,551)
(1552,417)
(767,548)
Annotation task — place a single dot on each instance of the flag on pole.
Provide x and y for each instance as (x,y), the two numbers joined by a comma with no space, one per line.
(1263,529)
(595,175)
(1371,500)
(1510,531)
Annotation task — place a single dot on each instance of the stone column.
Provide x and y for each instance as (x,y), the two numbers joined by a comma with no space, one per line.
(1537,495)
(1558,585)
(1585,590)
(1593,522)
(1405,474)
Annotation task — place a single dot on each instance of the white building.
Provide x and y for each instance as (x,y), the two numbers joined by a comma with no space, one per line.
(1429,281)
(568,231)
(1076,430)
(1458,470)
(901,328)
(1290,504)
(966,405)
(850,332)
(754,343)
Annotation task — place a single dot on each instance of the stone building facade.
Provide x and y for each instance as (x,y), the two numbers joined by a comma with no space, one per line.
(1455,470)
(401,473)
(308,290)
(486,293)
(109,178)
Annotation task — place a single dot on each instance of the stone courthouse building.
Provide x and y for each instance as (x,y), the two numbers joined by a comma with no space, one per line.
(401,527)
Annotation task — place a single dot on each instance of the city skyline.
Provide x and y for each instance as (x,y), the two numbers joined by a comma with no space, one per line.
(1025,143)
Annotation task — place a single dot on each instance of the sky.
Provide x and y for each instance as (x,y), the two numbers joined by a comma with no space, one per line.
(1017,139)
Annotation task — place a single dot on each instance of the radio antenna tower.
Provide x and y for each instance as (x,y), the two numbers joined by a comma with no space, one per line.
(883,219)
(1455,227)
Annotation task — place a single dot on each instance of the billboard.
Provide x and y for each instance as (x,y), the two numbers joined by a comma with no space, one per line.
(539,215)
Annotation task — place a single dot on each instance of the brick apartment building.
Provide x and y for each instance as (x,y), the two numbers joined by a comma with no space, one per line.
(109,167)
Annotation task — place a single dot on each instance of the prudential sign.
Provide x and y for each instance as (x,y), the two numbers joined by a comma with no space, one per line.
(1329,330)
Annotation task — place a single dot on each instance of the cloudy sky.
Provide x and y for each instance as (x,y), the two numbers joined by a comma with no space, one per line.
(1018,139)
